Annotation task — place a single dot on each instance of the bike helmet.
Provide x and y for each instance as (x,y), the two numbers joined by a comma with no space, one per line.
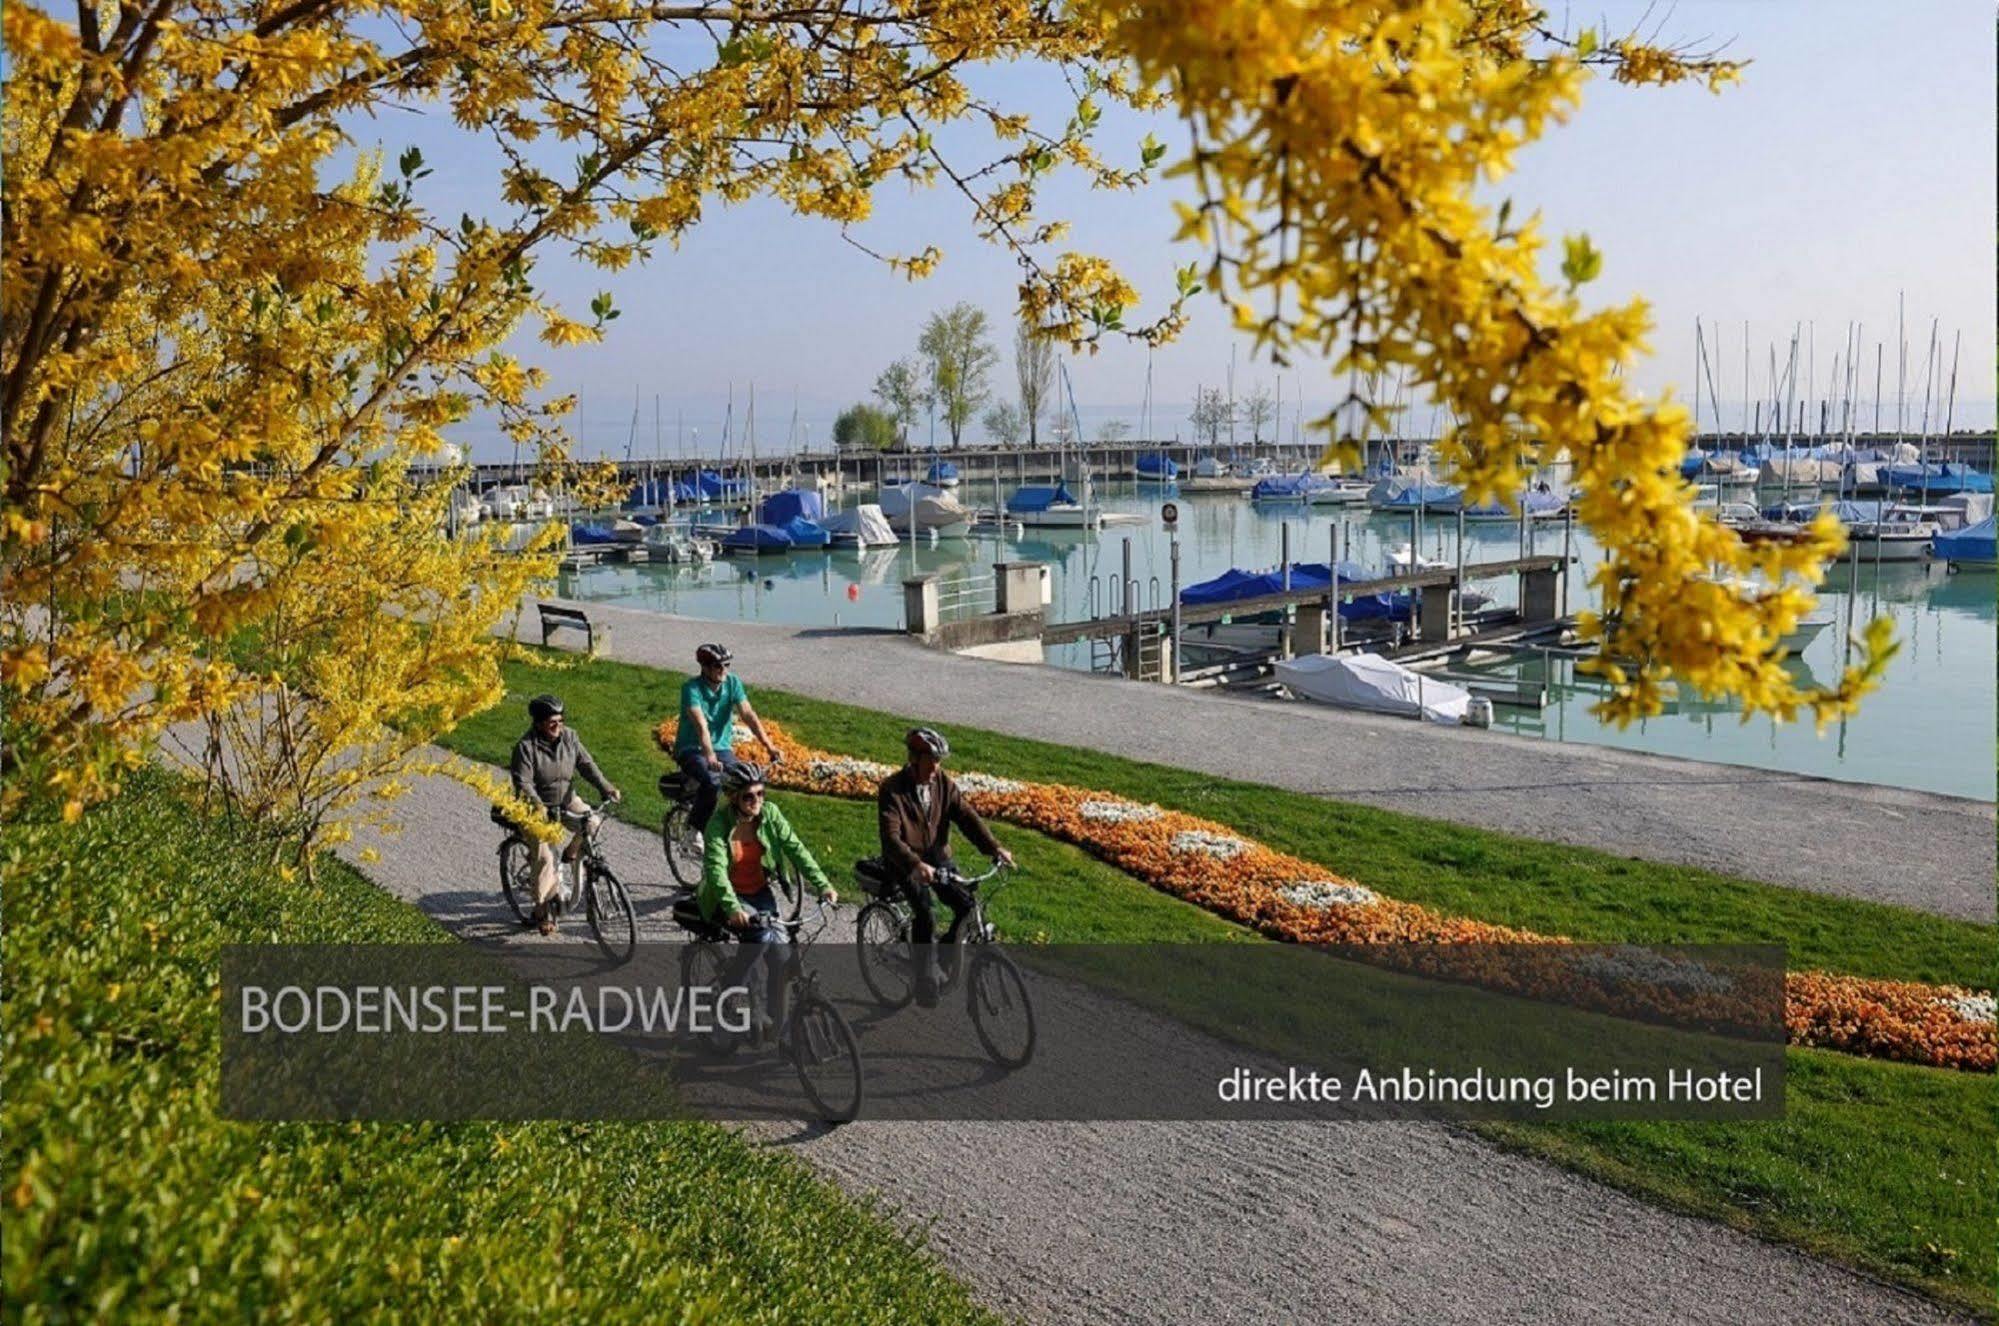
(544,707)
(741,775)
(713,656)
(928,740)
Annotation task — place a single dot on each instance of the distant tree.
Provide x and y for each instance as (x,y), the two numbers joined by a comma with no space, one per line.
(1034,368)
(1112,430)
(900,390)
(1003,423)
(1213,413)
(956,346)
(1257,406)
(864,428)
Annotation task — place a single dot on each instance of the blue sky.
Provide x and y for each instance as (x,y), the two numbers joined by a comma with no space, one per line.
(1854,162)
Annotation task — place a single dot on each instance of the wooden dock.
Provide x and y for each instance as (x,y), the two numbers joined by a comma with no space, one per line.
(1062,633)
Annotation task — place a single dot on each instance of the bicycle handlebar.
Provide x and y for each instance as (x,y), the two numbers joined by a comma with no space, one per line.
(955,875)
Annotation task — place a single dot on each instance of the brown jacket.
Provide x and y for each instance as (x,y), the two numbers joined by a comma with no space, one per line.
(910,834)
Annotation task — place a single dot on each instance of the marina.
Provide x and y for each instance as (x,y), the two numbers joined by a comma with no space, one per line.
(1912,732)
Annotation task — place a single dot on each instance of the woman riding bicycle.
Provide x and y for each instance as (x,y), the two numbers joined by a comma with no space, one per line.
(748,841)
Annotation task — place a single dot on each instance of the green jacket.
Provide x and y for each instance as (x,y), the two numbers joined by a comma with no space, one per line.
(782,850)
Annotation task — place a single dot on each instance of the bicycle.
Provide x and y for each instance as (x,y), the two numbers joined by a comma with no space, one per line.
(995,992)
(606,903)
(685,847)
(816,1037)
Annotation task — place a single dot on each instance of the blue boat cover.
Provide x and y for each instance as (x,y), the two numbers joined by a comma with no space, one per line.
(807,533)
(714,485)
(1288,487)
(758,538)
(1419,494)
(1038,498)
(941,470)
(1973,543)
(1235,584)
(1156,465)
(654,492)
(1532,502)
(792,504)
(588,536)
(1949,477)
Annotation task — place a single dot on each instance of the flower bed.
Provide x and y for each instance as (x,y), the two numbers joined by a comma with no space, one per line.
(1287,898)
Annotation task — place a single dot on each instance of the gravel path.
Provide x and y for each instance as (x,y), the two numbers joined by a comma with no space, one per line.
(1884,844)
(1202,1223)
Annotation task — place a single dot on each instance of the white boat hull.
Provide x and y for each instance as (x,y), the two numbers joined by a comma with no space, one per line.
(1059,516)
(1912,547)
(1806,631)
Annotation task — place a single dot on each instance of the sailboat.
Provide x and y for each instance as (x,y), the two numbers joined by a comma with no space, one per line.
(1056,507)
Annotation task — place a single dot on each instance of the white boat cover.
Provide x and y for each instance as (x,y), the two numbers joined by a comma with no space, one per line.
(1372,683)
(866,522)
(934,506)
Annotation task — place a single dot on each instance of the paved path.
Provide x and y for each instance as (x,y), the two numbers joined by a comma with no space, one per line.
(1205,1223)
(1884,844)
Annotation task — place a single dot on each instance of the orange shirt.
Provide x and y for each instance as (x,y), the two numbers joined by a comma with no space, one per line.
(746,863)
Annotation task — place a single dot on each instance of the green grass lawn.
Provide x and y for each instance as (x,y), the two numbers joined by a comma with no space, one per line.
(128,1199)
(1888,1167)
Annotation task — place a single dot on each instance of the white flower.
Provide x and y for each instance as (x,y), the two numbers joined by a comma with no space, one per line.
(827,770)
(978,782)
(1119,812)
(1644,966)
(1974,1007)
(1220,846)
(1322,894)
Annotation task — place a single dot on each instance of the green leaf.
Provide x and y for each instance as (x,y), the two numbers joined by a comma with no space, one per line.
(1581,262)
(1585,43)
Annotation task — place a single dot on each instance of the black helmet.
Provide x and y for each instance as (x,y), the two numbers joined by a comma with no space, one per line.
(740,775)
(928,740)
(712,656)
(544,707)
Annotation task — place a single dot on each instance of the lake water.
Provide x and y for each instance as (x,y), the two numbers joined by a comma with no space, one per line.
(1931,726)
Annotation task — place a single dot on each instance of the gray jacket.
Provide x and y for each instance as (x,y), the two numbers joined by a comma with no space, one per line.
(545,770)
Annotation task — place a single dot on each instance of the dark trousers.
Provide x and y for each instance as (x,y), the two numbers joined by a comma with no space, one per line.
(923,926)
(923,916)
(695,766)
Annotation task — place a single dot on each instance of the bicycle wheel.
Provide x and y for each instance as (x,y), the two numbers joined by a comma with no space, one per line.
(1002,1014)
(704,964)
(517,877)
(790,895)
(827,1058)
(881,936)
(682,843)
(612,919)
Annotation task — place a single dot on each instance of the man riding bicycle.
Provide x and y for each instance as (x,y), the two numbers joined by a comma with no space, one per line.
(749,840)
(546,762)
(917,805)
(704,739)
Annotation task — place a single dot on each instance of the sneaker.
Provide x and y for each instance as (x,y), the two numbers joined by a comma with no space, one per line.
(543,922)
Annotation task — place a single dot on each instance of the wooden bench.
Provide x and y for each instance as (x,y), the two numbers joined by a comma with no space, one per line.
(554,617)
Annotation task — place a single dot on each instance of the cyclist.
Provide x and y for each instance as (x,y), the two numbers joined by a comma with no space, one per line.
(749,840)
(917,805)
(703,741)
(547,760)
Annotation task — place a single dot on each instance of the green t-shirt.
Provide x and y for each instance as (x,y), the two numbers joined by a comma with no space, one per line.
(717,706)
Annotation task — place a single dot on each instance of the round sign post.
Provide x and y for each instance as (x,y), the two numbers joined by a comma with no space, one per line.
(1170,513)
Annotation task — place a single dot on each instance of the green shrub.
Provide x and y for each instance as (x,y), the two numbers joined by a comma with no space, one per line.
(863,428)
(126,1196)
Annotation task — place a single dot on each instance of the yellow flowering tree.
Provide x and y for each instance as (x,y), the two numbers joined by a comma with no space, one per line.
(1336,149)
(227,354)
